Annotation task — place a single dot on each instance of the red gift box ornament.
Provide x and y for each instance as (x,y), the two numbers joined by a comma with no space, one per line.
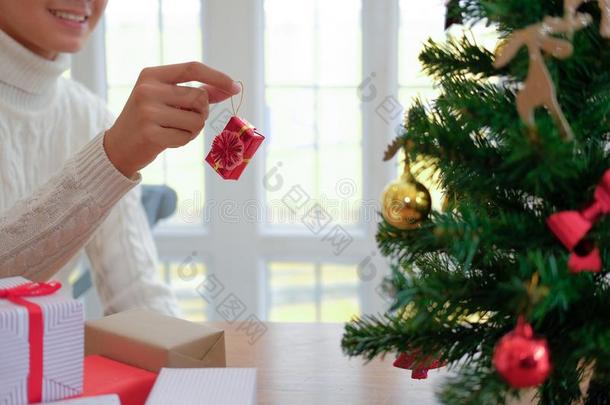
(419,370)
(572,227)
(17,296)
(235,146)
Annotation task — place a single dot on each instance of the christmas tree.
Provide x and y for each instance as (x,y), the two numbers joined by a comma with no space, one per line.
(508,285)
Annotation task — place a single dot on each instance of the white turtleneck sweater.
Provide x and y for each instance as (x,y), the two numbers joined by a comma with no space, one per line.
(59,192)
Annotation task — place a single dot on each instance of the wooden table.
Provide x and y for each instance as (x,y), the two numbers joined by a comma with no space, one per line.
(303,364)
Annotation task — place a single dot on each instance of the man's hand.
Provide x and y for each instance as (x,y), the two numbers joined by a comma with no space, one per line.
(159,114)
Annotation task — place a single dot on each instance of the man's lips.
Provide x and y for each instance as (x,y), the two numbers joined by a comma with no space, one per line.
(69,15)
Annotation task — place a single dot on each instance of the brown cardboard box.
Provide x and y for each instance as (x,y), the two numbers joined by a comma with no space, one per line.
(149,340)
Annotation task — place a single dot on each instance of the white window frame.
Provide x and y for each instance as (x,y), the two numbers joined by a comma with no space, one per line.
(245,273)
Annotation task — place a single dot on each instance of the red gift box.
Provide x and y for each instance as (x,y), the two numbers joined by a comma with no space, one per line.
(233,148)
(105,376)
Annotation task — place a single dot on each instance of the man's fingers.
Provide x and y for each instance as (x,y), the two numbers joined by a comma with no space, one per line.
(179,119)
(192,71)
(187,98)
(174,138)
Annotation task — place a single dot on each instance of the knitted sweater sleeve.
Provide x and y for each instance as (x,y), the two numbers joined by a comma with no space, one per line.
(42,232)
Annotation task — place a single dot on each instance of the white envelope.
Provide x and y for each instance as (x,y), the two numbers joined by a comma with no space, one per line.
(210,386)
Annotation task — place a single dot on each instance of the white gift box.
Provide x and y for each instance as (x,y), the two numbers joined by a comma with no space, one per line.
(210,386)
(100,400)
(62,358)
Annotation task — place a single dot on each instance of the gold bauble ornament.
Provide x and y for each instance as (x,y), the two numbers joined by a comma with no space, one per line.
(406,202)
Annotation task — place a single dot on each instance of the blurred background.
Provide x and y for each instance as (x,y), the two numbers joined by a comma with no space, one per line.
(327,83)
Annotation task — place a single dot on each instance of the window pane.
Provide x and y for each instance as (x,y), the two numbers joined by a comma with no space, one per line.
(150,33)
(340,50)
(313,292)
(339,117)
(292,287)
(292,122)
(291,143)
(314,115)
(132,34)
(183,278)
(299,166)
(419,20)
(289,53)
(184,173)
(340,293)
(181,30)
(340,154)
(340,190)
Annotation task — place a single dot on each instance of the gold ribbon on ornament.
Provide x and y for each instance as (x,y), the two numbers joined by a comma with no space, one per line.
(217,166)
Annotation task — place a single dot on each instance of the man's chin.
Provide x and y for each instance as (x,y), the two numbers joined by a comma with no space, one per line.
(69,46)
(66,43)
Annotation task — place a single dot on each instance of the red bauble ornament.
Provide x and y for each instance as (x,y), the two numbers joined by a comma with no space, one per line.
(522,359)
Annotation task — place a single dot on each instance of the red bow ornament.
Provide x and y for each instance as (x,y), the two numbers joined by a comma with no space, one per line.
(227,150)
(419,370)
(572,227)
(17,296)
